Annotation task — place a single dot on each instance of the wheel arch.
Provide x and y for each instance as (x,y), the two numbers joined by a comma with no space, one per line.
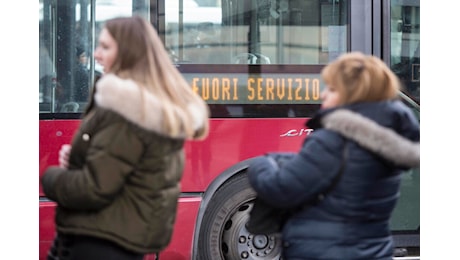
(212,189)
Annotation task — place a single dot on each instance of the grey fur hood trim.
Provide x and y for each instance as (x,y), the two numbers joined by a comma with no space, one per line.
(378,139)
(124,97)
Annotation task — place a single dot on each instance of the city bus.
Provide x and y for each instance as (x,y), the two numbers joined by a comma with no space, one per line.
(257,65)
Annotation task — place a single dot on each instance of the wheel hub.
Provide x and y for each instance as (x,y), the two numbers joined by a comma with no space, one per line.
(241,244)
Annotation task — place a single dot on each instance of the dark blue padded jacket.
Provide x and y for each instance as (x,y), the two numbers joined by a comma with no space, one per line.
(352,221)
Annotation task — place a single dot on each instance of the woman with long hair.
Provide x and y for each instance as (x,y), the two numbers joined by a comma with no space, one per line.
(117,184)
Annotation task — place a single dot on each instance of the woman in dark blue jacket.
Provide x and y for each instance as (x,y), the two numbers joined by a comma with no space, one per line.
(362,119)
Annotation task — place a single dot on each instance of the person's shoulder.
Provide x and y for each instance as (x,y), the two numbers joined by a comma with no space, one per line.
(325,137)
(126,98)
(400,112)
(399,107)
(113,92)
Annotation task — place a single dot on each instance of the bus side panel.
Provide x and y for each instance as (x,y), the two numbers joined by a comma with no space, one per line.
(46,227)
(233,140)
(230,141)
(52,135)
(180,247)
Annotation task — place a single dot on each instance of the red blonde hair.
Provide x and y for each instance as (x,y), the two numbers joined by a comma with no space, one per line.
(361,78)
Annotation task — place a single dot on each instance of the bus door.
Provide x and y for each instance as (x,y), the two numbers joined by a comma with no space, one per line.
(401,51)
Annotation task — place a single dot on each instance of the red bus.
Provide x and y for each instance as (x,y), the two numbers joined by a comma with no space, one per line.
(257,64)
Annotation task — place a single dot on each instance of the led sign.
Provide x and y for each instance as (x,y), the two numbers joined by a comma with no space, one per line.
(257,88)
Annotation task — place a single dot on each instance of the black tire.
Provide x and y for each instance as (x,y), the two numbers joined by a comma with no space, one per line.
(223,235)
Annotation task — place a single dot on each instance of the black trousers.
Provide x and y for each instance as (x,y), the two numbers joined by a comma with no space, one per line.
(75,247)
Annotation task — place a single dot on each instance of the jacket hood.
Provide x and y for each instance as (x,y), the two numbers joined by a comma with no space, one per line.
(127,98)
(369,126)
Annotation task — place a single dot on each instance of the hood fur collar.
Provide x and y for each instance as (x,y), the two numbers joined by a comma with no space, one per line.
(378,139)
(124,97)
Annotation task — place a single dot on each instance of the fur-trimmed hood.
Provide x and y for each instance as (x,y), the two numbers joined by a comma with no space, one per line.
(377,138)
(124,96)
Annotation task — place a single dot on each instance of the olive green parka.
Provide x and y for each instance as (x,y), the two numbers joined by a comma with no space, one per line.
(123,179)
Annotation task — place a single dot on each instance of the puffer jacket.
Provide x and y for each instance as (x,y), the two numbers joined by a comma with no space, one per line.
(123,181)
(352,220)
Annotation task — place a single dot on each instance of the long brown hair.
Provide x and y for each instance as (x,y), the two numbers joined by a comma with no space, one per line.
(361,78)
(143,58)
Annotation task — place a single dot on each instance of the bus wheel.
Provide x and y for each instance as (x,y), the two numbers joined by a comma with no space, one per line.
(223,234)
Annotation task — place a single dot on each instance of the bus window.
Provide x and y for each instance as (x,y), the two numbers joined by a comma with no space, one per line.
(47,70)
(405,45)
(64,54)
(256,32)
(67,41)
(404,50)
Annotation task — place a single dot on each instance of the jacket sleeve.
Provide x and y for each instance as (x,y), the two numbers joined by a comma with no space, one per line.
(108,162)
(299,180)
